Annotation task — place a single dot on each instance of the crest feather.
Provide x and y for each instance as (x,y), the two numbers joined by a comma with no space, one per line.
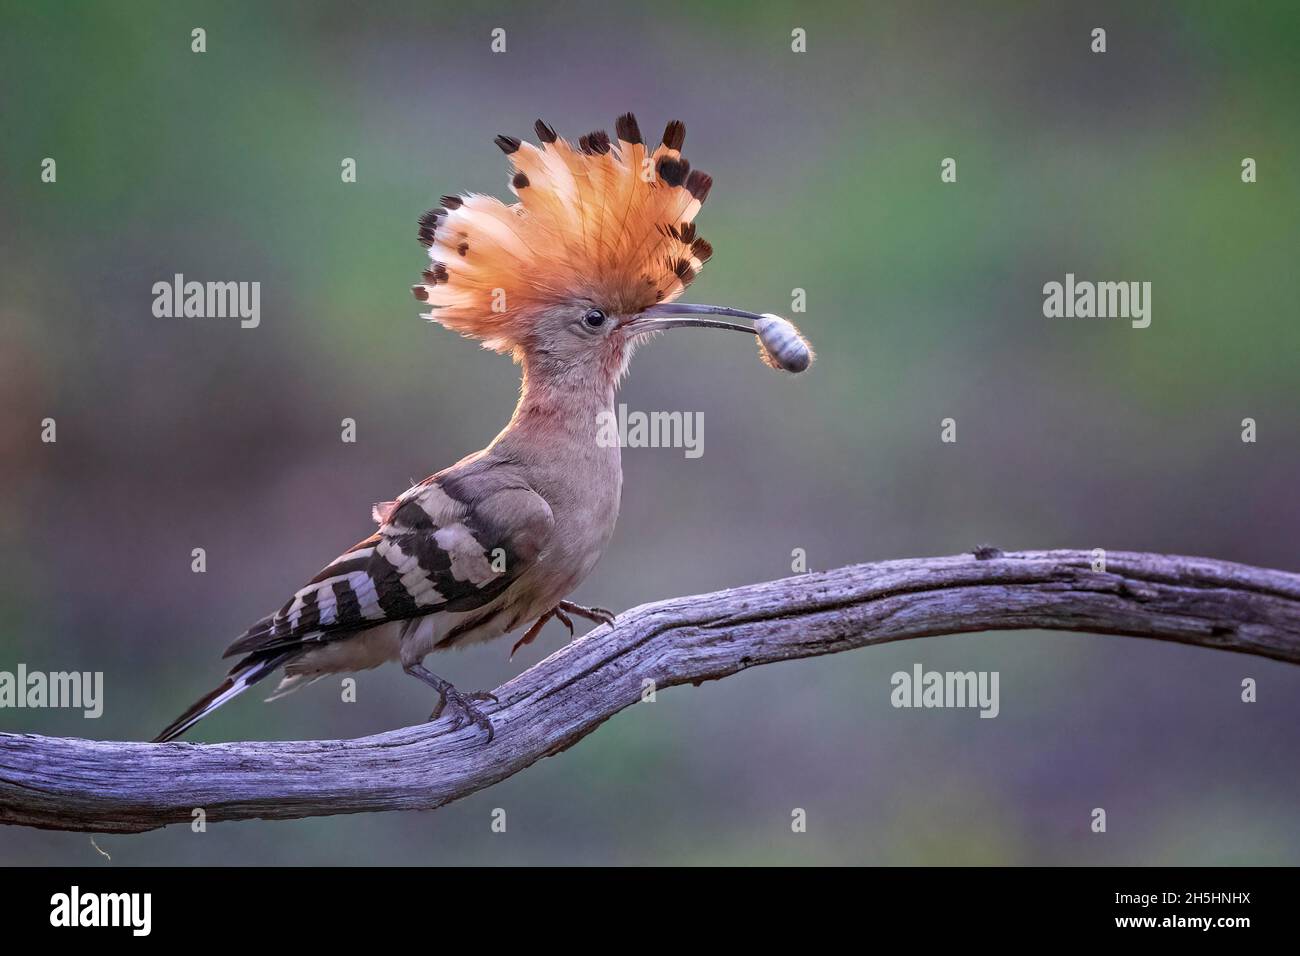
(608,221)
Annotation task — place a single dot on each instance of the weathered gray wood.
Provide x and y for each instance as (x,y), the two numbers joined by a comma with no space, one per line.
(72,784)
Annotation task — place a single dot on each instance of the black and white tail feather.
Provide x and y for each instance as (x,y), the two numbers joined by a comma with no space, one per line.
(242,676)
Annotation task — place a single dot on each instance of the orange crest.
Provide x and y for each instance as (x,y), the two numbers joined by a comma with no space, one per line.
(607,223)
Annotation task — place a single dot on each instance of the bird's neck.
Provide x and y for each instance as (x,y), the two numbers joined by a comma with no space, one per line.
(559,410)
(555,438)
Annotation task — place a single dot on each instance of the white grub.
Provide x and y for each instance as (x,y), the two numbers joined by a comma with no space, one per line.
(781,345)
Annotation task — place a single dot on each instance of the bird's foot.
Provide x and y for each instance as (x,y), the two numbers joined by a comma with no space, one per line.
(537,626)
(597,614)
(463,709)
(462,705)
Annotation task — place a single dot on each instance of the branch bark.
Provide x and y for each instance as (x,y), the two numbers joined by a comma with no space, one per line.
(104,786)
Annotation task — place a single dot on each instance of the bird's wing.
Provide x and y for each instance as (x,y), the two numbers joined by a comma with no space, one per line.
(448,544)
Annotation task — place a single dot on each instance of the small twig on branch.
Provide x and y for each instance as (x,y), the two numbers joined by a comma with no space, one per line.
(101,786)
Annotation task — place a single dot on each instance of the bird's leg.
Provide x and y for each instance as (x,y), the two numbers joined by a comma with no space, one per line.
(537,626)
(597,614)
(561,612)
(464,709)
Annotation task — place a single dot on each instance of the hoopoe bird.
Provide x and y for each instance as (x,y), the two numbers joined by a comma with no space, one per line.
(569,280)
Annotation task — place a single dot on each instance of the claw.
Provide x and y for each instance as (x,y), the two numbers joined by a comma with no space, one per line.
(465,712)
(532,631)
(597,614)
(463,709)
(564,619)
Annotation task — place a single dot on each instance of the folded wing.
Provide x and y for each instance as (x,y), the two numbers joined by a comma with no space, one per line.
(434,551)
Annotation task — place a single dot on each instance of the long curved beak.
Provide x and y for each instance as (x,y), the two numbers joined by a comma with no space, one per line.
(679,315)
(780,344)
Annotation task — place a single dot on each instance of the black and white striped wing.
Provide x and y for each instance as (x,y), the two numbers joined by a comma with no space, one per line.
(431,553)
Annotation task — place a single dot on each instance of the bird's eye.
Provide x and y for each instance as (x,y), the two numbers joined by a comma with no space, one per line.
(594,318)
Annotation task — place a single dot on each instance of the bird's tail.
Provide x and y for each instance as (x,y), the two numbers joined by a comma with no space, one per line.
(242,676)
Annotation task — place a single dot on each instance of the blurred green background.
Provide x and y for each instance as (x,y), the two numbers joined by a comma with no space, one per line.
(924,300)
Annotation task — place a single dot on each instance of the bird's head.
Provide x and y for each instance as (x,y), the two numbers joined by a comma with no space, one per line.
(588,262)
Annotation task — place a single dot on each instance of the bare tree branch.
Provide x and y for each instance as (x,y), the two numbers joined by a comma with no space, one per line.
(101,786)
